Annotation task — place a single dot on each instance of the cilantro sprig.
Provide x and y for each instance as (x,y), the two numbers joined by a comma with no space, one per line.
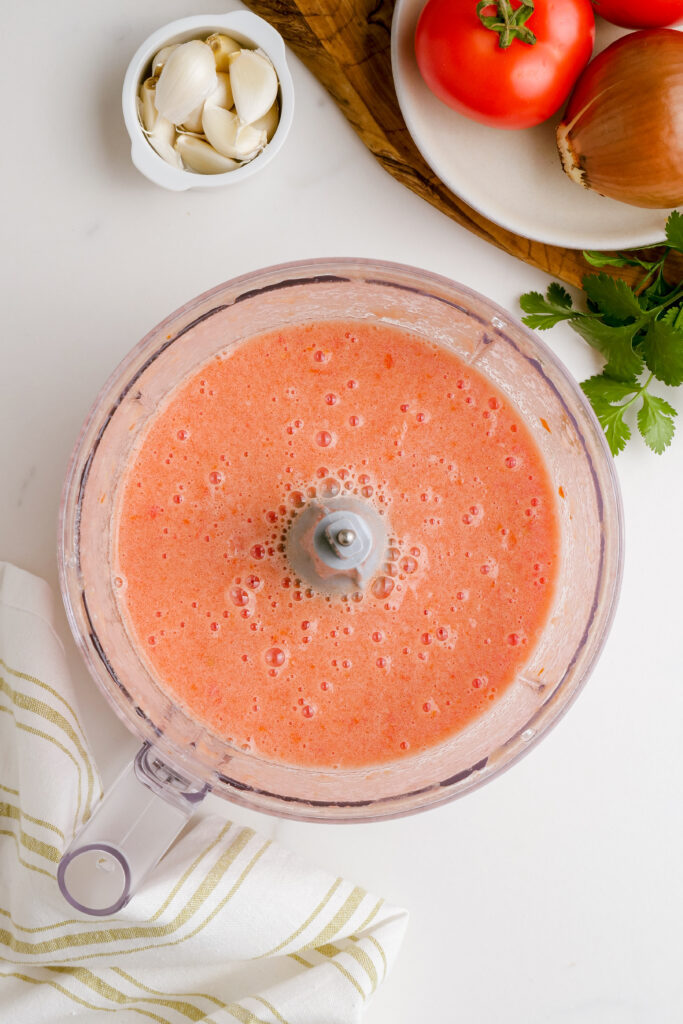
(638,330)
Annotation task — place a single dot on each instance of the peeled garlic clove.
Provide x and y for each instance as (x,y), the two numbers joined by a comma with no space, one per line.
(269,122)
(147,111)
(161,138)
(222,94)
(161,57)
(187,78)
(199,156)
(193,123)
(229,135)
(222,47)
(254,84)
(167,153)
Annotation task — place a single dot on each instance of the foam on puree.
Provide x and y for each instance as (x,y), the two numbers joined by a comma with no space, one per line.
(323,410)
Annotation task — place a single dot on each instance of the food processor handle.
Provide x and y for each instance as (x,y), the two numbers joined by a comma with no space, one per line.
(127,834)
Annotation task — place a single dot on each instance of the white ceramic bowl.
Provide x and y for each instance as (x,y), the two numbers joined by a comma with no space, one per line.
(250,31)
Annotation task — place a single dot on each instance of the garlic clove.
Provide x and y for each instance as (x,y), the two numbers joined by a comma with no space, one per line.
(186,79)
(222,94)
(147,111)
(163,130)
(269,122)
(193,122)
(167,153)
(161,138)
(222,46)
(161,57)
(230,136)
(254,84)
(199,156)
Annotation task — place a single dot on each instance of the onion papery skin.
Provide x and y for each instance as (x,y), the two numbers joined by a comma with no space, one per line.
(622,131)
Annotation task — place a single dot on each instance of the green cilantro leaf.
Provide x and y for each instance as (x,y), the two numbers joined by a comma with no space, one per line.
(616,345)
(599,259)
(558,295)
(612,296)
(662,349)
(633,328)
(603,392)
(611,418)
(656,293)
(674,230)
(655,422)
(674,316)
(602,387)
(545,313)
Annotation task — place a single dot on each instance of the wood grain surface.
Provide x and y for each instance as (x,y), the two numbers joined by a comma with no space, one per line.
(346,44)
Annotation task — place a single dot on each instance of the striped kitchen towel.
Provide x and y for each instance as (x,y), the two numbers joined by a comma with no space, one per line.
(228,927)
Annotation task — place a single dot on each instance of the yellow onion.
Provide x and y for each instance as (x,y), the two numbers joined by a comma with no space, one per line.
(622,131)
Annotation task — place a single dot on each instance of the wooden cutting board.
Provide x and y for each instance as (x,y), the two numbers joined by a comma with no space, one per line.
(346,44)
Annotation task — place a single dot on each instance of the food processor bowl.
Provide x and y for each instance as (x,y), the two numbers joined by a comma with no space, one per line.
(180,748)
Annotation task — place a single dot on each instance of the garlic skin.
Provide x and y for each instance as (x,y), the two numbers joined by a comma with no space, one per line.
(222,47)
(622,132)
(161,57)
(269,122)
(230,136)
(199,156)
(187,78)
(254,84)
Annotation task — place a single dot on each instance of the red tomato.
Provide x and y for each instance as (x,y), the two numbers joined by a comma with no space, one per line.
(463,63)
(640,13)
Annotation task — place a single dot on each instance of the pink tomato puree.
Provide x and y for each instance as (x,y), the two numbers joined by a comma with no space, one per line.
(332,408)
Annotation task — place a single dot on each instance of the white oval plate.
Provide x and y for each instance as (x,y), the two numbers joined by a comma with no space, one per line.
(512,177)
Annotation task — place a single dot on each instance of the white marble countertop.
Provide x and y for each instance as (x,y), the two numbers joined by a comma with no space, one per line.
(553,896)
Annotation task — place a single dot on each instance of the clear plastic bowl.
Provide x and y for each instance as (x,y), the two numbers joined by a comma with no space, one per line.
(533,380)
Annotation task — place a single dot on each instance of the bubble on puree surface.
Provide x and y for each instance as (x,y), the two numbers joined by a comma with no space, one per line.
(323,410)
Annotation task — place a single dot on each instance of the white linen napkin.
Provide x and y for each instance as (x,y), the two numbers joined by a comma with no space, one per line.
(229,926)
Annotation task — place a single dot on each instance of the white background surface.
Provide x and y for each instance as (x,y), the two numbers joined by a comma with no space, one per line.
(552,896)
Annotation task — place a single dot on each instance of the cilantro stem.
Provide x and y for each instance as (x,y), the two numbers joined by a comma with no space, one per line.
(643,388)
(670,299)
(654,269)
